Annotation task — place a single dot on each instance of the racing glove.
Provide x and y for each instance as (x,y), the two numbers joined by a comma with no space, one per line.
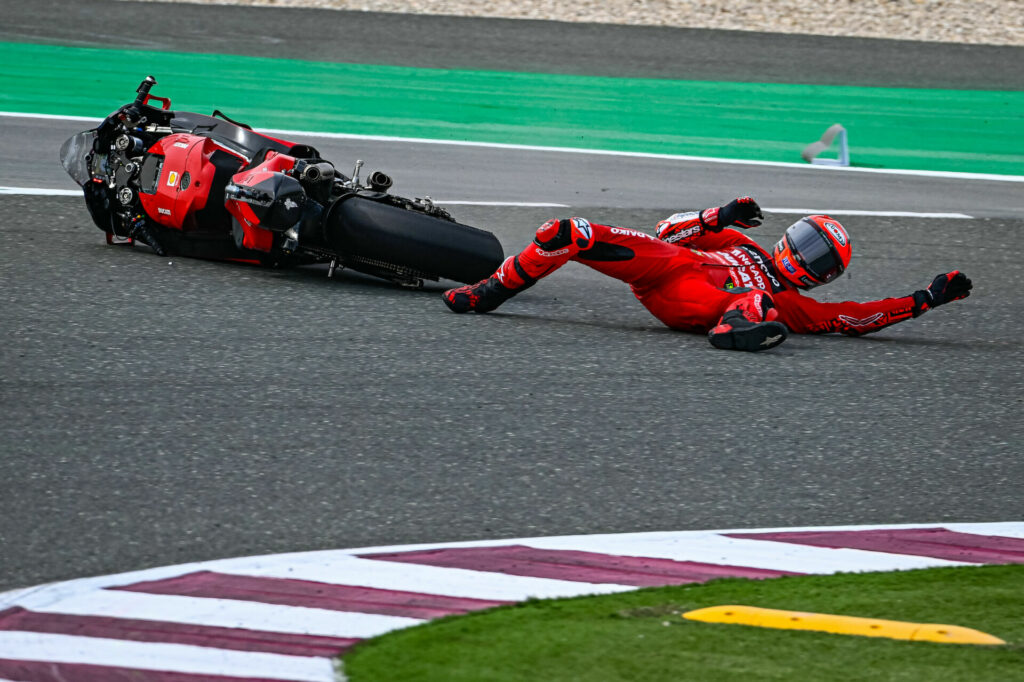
(951,286)
(742,212)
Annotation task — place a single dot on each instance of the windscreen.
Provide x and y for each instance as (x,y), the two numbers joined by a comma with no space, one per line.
(74,155)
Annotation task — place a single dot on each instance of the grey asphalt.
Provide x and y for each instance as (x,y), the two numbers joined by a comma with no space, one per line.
(157,411)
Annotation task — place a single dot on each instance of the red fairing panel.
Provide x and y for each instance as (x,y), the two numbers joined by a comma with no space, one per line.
(185,181)
(254,236)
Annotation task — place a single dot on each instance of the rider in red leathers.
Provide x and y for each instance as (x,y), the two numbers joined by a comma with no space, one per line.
(697,276)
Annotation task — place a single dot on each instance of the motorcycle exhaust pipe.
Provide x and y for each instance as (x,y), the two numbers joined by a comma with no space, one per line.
(315,172)
(380,182)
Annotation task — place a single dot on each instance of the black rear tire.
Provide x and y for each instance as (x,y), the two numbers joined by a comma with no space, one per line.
(364,229)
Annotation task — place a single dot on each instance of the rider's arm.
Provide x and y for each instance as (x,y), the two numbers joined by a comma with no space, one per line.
(705,229)
(804,315)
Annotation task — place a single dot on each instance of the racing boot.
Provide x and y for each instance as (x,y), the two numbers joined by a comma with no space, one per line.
(749,324)
(488,294)
(482,297)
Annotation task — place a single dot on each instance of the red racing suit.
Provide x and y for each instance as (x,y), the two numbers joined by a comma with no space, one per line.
(687,276)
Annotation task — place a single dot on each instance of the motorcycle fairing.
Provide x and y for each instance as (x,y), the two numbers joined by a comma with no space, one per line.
(264,178)
(185,180)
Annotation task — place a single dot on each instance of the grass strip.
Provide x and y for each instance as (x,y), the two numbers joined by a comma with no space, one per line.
(641,636)
(957,130)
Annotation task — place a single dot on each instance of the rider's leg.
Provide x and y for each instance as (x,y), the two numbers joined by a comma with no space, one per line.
(749,323)
(556,242)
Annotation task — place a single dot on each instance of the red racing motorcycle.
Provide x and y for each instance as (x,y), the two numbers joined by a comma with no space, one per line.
(187,184)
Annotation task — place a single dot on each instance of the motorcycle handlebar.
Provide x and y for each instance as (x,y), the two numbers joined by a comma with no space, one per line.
(144,89)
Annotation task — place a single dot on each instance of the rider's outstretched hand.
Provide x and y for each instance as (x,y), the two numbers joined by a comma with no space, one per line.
(951,286)
(743,212)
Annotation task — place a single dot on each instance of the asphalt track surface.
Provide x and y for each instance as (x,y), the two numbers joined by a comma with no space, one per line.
(159,412)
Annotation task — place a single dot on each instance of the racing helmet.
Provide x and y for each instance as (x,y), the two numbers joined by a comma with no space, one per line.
(814,250)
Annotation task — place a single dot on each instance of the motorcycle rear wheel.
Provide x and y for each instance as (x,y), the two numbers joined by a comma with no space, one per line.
(375,235)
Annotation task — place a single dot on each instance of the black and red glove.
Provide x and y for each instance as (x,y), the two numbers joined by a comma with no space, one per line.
(742,212)
(951,286)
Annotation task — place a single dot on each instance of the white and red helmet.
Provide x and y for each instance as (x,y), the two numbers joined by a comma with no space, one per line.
(814,250)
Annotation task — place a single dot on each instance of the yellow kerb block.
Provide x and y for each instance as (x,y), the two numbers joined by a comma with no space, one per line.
(840,625)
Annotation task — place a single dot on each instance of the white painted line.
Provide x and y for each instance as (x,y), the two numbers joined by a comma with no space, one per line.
(39,191)
(54,117)
(853,211)
(43,192)
(501,203)
(344,569)
(181,658)
(593,152)
(228,613)
(717,549)
(1006,530)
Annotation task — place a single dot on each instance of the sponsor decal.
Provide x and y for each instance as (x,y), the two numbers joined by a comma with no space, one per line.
(583,227)
(758,260)
(172,179)
(789,266)
(749,275)
(684,234)
(837,232)
(552,254)
(290,204)
(631,233)
(164,211)
(865,322)
(181,145)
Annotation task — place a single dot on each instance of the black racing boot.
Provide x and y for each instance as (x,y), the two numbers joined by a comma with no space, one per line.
(482,297)
(736,332)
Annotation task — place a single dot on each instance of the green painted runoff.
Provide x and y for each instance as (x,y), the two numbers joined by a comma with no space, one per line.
(950,130)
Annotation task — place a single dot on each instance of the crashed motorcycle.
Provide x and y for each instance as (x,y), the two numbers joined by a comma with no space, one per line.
(210,187)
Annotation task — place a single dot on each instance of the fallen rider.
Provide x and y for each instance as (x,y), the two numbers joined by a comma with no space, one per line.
(697,276)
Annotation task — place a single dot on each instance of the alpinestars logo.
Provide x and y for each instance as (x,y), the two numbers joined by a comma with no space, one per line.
(583,227)
(865,322)
(677,236)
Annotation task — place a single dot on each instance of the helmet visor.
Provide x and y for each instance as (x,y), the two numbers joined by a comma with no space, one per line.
(814,251)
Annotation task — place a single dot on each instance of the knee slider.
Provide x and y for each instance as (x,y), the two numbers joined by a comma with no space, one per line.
(554,234)
(558,234)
